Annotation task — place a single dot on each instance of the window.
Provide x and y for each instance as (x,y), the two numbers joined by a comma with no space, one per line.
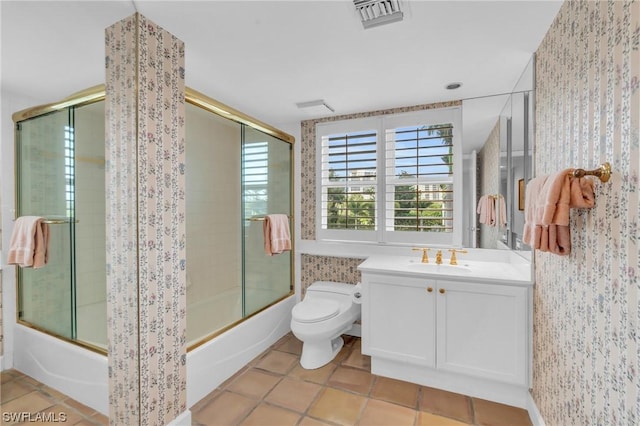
(255,178)
(399,188)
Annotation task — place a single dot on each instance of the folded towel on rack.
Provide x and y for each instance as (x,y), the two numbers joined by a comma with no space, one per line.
(29,243)
(582,196)
(547,203)
(277,237)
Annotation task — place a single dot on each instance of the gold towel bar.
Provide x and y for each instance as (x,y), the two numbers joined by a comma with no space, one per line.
(57,221)
(603,172)
(260,218)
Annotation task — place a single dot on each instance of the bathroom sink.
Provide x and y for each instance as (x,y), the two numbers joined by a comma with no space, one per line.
(435,268)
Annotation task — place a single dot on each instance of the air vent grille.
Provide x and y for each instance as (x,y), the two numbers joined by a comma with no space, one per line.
(378,12)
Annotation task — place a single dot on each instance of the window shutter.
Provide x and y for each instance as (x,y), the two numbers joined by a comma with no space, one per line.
(419,178)
(349,179)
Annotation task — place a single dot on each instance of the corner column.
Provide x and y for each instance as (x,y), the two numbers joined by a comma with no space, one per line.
(146,275)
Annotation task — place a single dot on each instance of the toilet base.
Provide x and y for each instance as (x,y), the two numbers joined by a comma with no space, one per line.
(317,354)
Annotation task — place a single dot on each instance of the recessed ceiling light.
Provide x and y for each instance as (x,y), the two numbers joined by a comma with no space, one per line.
(453,86)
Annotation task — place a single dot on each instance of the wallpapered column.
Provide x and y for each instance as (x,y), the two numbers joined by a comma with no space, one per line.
(146,279)
(586,306)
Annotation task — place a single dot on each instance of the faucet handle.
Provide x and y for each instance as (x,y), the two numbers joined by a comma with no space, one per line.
(425,257)
(454,260)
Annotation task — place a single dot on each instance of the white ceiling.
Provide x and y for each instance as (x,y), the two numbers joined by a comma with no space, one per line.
(263,57)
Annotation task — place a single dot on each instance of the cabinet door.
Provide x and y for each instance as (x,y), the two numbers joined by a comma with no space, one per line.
(482,330)
(399,319)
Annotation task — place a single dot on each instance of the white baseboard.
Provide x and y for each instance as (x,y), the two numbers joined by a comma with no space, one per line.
(534,413)
(183,419)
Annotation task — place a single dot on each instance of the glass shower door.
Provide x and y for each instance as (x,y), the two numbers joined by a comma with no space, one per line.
(45,174)
(266,189)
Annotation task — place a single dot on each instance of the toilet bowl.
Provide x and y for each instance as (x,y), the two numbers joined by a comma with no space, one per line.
(326,312)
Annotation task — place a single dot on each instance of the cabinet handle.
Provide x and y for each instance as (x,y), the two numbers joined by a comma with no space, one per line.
(442,291)
(429,289)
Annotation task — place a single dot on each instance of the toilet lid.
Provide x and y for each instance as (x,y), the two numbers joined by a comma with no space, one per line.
(315,310)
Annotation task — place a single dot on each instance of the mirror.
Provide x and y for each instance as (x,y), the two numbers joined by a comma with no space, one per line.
(498,162)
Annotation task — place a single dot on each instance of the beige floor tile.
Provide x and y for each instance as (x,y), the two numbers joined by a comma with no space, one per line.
(490,413)
(269,415)
(278,362)
(205,400)
(6,376)
(337,406)
(254,383)
(231,379)
(308,421)
(227,409)
(293,394)
(53,393)
(83,409)
(32,402)
(13,389)
(429,419)
(351,379)
(396,391)
(447,404)
(84,422)
(56,415)
(319,375)
(100,419)
(356,359)
(290,344)
(382,413)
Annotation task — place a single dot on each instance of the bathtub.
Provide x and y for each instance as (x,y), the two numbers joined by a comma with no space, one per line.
(83,374)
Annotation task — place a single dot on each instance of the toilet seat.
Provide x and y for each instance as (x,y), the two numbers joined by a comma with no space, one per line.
(309,311)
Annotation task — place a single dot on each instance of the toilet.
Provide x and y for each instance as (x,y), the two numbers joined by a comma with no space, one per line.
(327,311)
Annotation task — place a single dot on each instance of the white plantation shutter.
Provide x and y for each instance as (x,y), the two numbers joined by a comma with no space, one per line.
(400,188)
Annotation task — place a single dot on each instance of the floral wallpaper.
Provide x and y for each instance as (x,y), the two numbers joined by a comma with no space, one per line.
(586,306)
(146,280)
(489,180)
(321,268)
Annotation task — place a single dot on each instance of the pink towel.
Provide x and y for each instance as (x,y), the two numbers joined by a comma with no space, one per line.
(277,237)
(486,210)
(503,212)
(547,203)
(29,243)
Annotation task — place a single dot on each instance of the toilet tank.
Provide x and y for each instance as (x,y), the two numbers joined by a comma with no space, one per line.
(331,287)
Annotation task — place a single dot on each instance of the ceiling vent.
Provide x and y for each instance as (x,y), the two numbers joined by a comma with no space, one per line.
(378,12)
(315,108)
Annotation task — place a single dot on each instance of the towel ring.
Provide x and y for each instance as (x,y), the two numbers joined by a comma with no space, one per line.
(603,172)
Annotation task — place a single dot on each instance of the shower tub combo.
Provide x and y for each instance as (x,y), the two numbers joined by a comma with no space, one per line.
(238,299)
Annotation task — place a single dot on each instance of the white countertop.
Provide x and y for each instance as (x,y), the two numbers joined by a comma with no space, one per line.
(486,271)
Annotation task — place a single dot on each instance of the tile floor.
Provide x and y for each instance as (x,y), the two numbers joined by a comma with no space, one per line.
(274,390)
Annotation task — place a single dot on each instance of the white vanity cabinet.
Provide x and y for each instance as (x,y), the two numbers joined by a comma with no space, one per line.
(462,336)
